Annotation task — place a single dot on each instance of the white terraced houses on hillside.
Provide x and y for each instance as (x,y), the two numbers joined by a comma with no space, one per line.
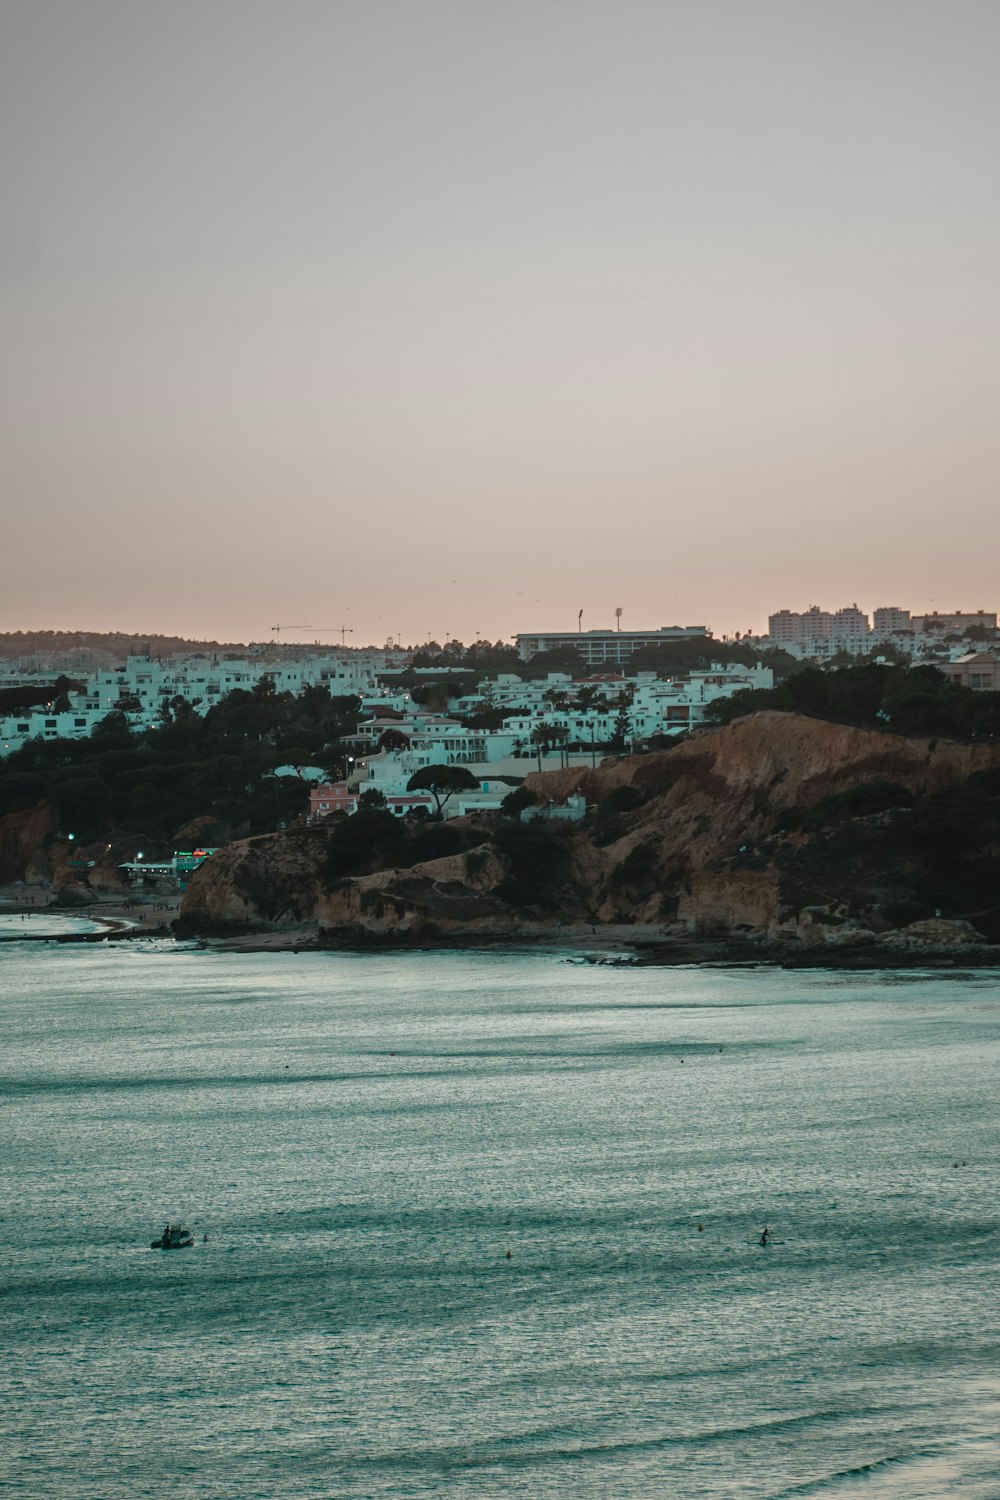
(586,709)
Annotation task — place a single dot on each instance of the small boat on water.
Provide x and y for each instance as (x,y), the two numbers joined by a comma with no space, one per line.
(174,1237)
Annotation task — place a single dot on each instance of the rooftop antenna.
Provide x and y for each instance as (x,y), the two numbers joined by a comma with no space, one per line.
(618,616)
(579,622)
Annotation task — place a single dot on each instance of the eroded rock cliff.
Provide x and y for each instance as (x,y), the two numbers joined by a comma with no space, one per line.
(712,837)
(273,881)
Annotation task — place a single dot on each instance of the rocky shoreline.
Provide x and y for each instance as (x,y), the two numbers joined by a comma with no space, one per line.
(778,839)
(621,946)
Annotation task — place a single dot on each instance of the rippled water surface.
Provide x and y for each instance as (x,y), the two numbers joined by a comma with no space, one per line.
(364,1138)
(33,924)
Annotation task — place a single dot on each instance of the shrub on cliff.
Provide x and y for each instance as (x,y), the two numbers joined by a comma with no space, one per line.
(905,699)
(608,823)
(84,806)
(516,801)
(638,866)
(369,840)
(437,841)
(534,856)
(20,791)
(857,802)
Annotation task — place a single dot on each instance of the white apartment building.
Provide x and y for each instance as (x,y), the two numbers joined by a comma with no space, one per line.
(888,619)
(17,729)
(843,630)
(953,624)
(820,634)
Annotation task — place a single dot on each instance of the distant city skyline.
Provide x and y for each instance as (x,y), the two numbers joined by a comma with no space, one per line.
(434,319)
(345,636)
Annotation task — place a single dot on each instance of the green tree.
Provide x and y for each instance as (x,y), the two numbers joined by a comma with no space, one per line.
(621,737)
(84,806)
(516,801)
(442,782)
(393,739)
(540,740)
(370,840)
(560,659)
(535,858)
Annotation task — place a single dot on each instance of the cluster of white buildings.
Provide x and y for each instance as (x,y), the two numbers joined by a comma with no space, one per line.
(820,633)
(144,684)
(544,722)
(557,721)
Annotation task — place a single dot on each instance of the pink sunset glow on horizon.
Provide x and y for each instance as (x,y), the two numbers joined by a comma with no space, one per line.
(419,320)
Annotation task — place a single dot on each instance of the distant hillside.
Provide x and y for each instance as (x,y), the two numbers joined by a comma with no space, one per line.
(118,643)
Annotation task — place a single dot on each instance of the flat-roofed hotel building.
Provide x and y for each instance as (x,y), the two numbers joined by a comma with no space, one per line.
(606,647)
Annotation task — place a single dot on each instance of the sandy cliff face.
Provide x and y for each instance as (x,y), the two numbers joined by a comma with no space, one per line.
(700,850)
(727,900)
(768,762)
(438,898)
(271,881)
(718,796)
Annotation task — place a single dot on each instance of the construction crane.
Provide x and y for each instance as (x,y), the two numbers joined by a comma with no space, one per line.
(341,630)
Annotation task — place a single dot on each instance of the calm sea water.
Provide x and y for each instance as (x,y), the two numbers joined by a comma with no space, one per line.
(363,1139)
(43,924)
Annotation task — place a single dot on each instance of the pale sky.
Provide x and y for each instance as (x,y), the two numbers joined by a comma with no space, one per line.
(434,317)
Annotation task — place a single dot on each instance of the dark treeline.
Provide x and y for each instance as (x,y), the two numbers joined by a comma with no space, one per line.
(152,782)
(908,856)
(672,658)
(118,643)
(906,700)
(533,855)
(675,658)
(54,696)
